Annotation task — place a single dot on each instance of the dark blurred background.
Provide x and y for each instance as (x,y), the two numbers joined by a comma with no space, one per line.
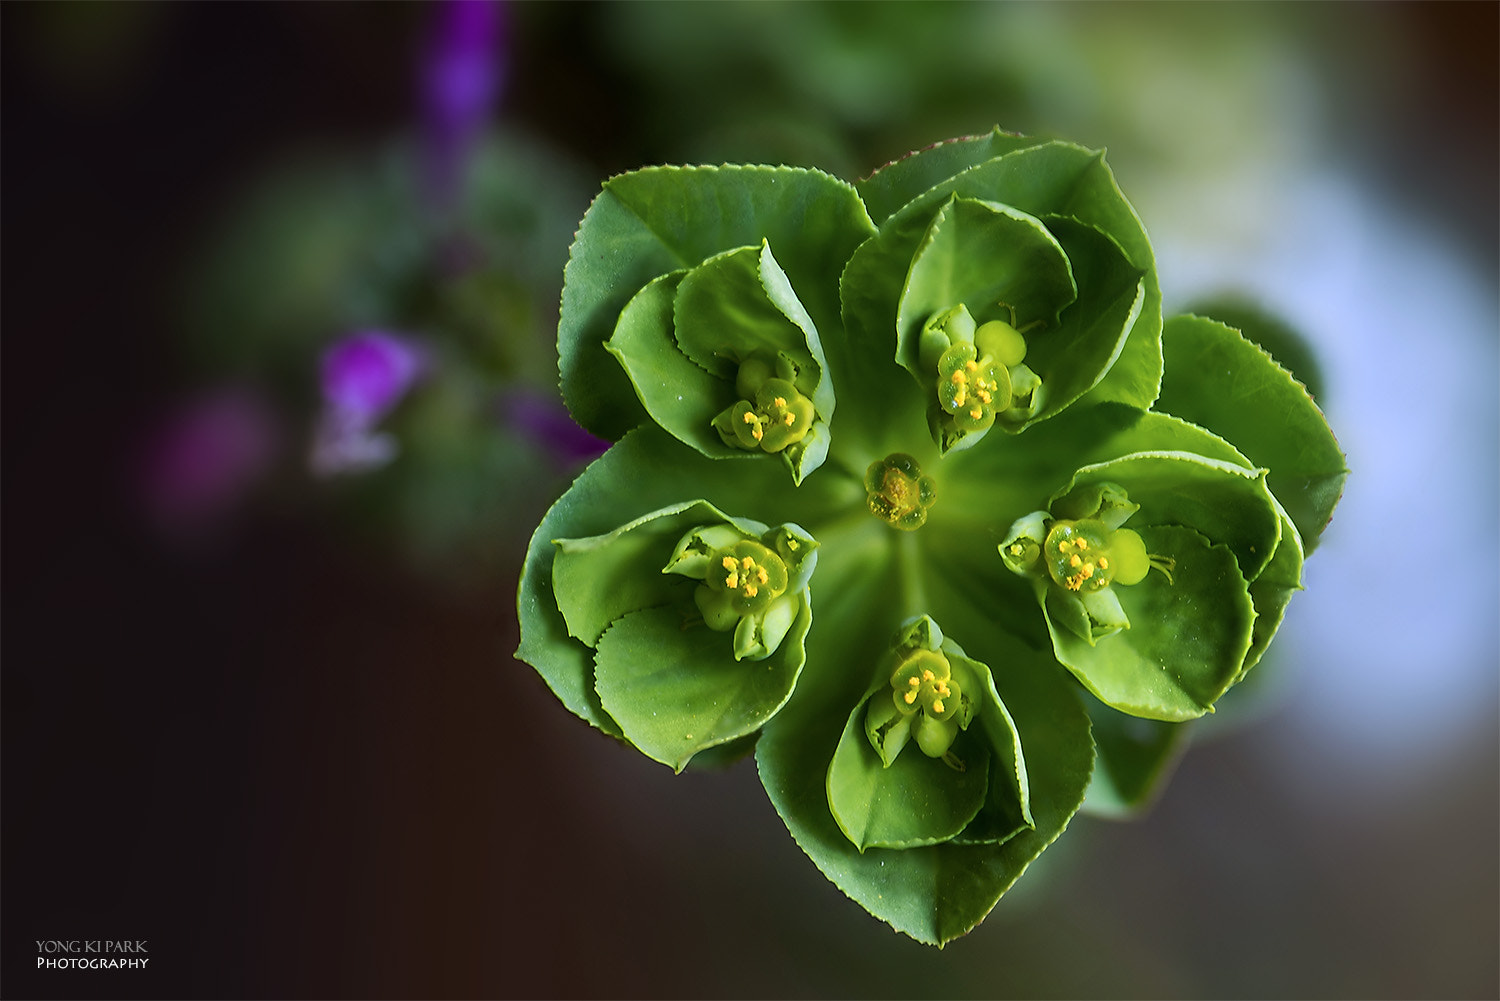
(259,706)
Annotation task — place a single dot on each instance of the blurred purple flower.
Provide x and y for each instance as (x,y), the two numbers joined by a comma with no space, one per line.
(545,422)
(461,71)
(198,464)
(364,376)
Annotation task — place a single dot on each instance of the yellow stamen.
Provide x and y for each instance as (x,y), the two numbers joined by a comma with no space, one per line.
(751,590)
(984,396)
(732,581)
(909,698)
(976,413)
(757,434)
(1083,544)
(913,682)
(959,378)
(789,419)
(762,576)
(942,688)
(928,676)
(1088,570)
(780,401)
(937,706)
(747,563)
(728,563)
(1104,563)
(972,366)
(960,397)
(749,418)
(1076,561)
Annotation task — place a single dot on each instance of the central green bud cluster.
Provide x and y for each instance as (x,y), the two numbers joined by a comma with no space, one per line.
(897,493)
(773,414)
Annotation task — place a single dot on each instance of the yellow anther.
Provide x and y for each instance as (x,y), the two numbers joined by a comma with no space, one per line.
(732,581)
(927,675)
(757,434)
(972,366)
(909,698)
(1076,561)
(960,397)
(942,689)
(913,682)
(1064,546)
(1083,543)
(1104,563)
(937,705)
(1016,549)
(976,413)
(762,576)
(728,563)
(1088,570)
(984,396)
(959,378)
(789,419)
(747,563)
(749,418)
(780,401)
(751,590)
(793,545)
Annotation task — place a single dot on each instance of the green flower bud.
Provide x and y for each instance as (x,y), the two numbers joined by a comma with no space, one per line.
(1002,342)
(752,374)
(760,366)
(979,375)
(1102,501)
(1022,548)
(943,330)
(779,416)
(753,587)
(745,577)
(971,389)
(927,702)
(1081,557)
(1086,556)
(757,636)
(691,557)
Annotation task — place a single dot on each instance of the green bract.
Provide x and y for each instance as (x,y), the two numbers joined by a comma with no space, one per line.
(925,398)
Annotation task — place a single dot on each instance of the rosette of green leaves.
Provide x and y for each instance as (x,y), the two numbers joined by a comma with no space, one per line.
(1016,231)
(877,800)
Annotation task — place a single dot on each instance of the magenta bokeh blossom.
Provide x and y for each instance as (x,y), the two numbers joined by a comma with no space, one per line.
(199,463)
(364,376)
(545,422)
(462,68)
